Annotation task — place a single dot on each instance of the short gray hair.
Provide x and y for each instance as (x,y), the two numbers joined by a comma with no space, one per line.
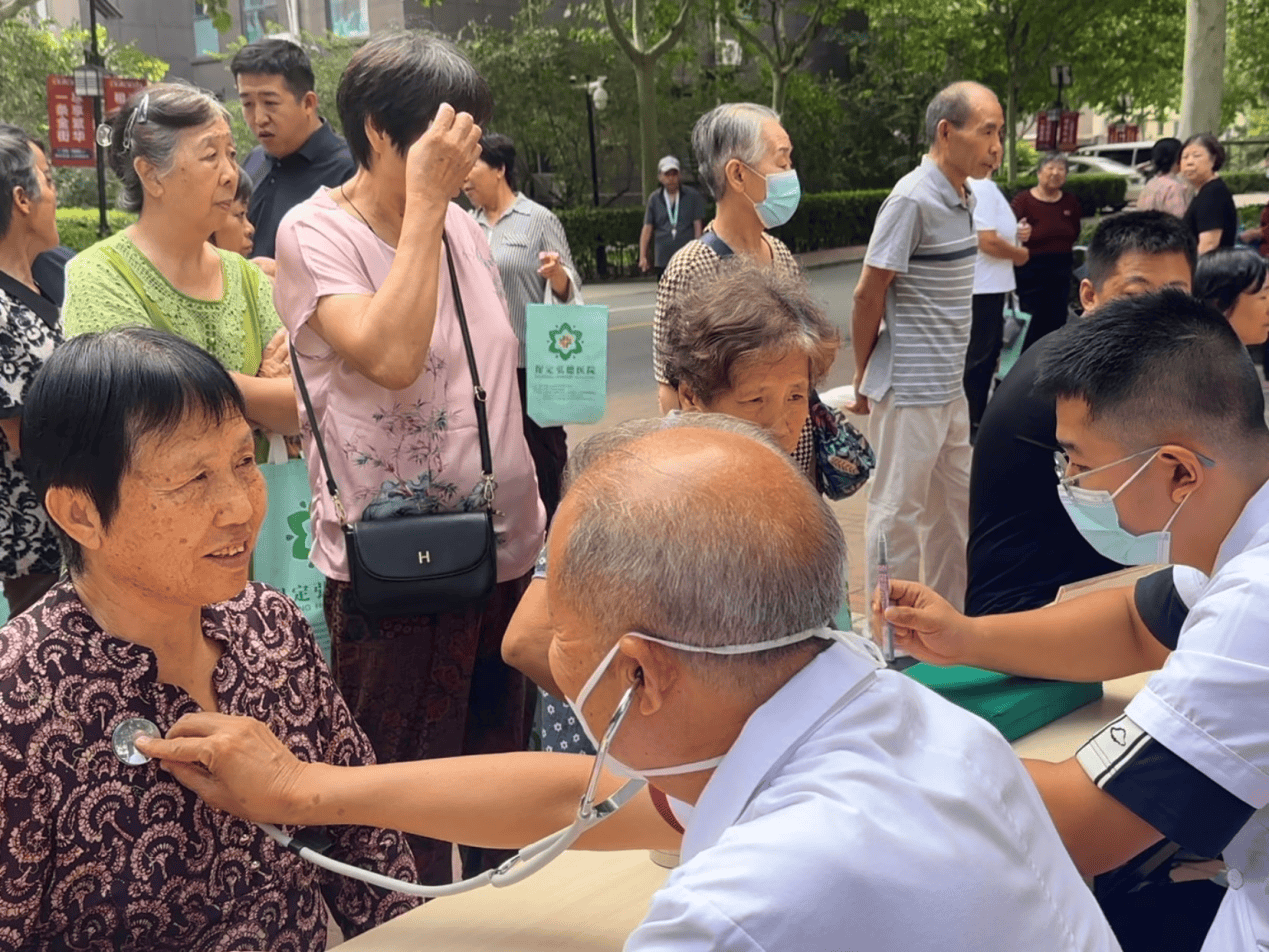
(951,103)
(17,170)
(726,132)
(698,566)
(149,126)
(1052,157)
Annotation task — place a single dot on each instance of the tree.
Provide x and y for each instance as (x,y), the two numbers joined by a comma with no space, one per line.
(784,53)
(644,55)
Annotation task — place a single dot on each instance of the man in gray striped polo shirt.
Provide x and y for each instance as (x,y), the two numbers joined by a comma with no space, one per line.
(919,275)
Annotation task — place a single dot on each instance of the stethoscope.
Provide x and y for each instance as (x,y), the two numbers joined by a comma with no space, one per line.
(521,866)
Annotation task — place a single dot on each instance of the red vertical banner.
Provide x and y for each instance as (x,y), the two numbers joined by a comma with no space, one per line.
(70,124)
(1115,132)
(1045,133)
(1132,132)
(118,89)
(1068,130)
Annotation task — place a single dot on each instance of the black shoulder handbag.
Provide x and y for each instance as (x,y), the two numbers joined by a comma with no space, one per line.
(427,563)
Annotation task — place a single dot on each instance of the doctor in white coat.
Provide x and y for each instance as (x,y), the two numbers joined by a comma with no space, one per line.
(827,804)
(1161,417)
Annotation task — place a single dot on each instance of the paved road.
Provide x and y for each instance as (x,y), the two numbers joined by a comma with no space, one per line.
(631,393)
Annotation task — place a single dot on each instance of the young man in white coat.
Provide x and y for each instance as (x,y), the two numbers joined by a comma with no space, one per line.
(1160,415)
(828,805)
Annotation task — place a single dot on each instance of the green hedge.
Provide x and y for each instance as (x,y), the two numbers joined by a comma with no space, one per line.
(77,227)
(832,220)
(1240,182)
(1095,192)
(616,228)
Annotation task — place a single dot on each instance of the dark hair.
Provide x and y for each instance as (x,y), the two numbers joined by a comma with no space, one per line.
(245,187)
(1211,144)
(1156,363)
(499,152)
(1225,273)
(17,170)
(98,395)
(149,126)
(276,57)
(397,81)
(1147,233)
(745,312)
(1164,155)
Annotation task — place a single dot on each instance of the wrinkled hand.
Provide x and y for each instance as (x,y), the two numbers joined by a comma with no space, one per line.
(438,162)
(276,360)
(234,763)
(1024,231)
(925,625)
(549,266)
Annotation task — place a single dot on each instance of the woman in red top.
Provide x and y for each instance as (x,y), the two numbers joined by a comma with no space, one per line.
(1044,282)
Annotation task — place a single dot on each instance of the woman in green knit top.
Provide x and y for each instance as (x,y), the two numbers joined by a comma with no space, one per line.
(173,151)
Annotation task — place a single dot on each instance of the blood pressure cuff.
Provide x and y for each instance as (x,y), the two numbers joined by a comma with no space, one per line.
(1161,606)
(1170,794)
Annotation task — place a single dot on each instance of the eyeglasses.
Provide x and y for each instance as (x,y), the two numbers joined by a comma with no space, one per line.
(1062,463)
(139,115)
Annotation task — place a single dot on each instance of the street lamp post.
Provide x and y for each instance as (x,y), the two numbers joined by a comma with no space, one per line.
(88,82)
(596,99)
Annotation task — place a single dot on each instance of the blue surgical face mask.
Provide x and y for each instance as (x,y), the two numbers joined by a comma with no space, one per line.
(784,191)
(1095,517)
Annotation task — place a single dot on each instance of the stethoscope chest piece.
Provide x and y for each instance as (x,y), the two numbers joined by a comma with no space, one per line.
(124,739)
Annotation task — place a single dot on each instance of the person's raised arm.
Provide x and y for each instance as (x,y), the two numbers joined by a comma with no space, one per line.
(498,801)
(865,323)
(1097,637)
(403,310)
(270,403)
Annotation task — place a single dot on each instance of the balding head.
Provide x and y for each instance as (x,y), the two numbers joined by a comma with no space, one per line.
(963,126)
(697,535)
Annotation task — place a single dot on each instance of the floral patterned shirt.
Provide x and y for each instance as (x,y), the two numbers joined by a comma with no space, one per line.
(100,856)
(29,330)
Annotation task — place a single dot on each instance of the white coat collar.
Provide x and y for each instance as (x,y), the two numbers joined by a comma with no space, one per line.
(1252,522)
(770,737)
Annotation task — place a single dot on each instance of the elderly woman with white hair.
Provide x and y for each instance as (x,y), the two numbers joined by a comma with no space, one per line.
(745,158)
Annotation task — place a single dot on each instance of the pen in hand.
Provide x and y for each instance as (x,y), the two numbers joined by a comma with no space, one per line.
(883,584)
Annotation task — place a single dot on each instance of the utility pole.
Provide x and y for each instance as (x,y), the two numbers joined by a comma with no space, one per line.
(95,60)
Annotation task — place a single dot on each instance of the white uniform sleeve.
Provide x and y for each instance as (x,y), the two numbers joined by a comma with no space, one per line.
(1209,704)
(679,921)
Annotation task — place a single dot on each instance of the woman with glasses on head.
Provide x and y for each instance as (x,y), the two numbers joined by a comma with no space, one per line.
(173,151)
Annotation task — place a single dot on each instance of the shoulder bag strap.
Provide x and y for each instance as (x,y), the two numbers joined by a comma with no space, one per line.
(317,435)
(482,424)
(711,240)
(120,264)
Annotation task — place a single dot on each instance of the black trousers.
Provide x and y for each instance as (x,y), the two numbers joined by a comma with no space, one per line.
(1044,292)
(548,445)
(986,335)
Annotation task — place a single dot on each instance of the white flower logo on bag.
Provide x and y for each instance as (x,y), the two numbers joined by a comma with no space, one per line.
(565,342)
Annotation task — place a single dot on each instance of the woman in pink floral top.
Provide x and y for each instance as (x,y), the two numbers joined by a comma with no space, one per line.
(138,444)
(364,290)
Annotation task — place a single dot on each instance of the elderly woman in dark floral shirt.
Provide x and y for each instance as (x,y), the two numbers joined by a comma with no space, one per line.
(138,444)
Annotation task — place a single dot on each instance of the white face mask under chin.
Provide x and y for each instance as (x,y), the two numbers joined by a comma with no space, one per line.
(857,644)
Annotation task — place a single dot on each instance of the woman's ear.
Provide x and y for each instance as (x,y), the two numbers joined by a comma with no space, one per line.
(76,515)
(733,174)
(148,173)
(687,400)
